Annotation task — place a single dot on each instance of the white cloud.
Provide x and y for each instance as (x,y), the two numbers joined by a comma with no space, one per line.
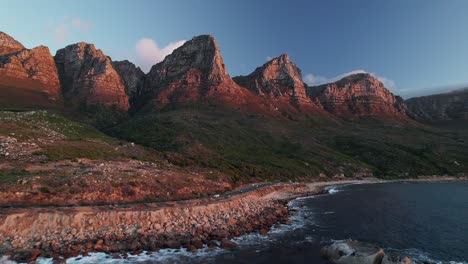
(81,25)
(269,58)
(69,26)
(149,53)
(312,79)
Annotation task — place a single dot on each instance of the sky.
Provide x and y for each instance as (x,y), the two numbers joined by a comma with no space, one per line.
(415,47)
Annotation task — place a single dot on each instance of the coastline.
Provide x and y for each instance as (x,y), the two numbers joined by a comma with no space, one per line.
(60,233)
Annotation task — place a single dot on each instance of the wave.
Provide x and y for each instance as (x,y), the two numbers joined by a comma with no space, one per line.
(332,189)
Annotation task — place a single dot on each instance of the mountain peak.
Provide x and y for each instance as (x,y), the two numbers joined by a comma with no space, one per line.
(87,76)
(8,44)
(194,70)
(281,80)
(201,52)
(283,58)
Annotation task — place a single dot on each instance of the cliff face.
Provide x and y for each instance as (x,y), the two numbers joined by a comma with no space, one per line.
(9,44)
(132,78)
(359,95)
(192,72)
(87,76)
(279,80)
(36,67)
(440,107)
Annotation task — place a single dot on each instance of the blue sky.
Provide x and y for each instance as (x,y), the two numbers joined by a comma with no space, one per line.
(415,46)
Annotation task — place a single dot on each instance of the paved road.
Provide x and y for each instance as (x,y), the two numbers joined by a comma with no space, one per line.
(242,190)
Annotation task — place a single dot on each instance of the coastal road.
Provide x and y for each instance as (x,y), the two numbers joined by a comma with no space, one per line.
(240,190)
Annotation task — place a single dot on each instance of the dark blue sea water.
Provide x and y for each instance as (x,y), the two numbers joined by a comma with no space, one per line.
(425,221)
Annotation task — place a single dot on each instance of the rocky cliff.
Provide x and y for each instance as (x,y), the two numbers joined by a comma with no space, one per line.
(9,44)
(88,77)
(440,107)
(279,80)
(132,78)
(359,95)
(192,72)
(34,67)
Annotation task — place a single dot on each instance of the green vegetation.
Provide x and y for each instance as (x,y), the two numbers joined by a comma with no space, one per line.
(33,124)
(70,150)
(12,175)
(254,146)
(246,146)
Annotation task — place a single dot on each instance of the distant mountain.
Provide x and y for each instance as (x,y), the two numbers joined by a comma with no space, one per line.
(440,107)
(360,95)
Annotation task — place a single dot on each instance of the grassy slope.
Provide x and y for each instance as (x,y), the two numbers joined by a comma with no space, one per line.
(253,145)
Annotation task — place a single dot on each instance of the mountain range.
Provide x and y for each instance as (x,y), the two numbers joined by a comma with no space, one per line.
(267,124)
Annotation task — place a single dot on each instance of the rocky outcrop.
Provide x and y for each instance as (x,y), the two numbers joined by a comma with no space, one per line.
(132,78)
(88,77)
(9,44)
(27,71)
(36,64)
(359,95)
(440,107)
(356,252)
(279,80)
(192,72)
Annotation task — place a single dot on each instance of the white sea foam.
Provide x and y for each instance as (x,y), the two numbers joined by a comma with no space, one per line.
(332,189)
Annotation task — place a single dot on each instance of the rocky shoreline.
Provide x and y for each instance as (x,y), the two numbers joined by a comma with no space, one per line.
(60,233)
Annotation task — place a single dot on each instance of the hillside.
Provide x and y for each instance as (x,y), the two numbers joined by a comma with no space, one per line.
(81,128)
(45,158)
(441,108)
(253,146)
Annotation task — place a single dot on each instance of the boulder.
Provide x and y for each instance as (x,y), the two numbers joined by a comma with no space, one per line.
(353,252)
(228,244)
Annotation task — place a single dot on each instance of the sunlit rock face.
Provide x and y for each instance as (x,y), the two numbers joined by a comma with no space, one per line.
(34,66)
(88,77)
(359,95)
(193,72)
(9,44)
(280,80)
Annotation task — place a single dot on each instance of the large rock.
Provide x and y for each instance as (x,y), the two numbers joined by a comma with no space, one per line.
(359,95)
(132,78)
(192,72)
(9,44)
(395,259)
(29,74)
(281,81)
(353,252)
(88,77)
(440,107)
